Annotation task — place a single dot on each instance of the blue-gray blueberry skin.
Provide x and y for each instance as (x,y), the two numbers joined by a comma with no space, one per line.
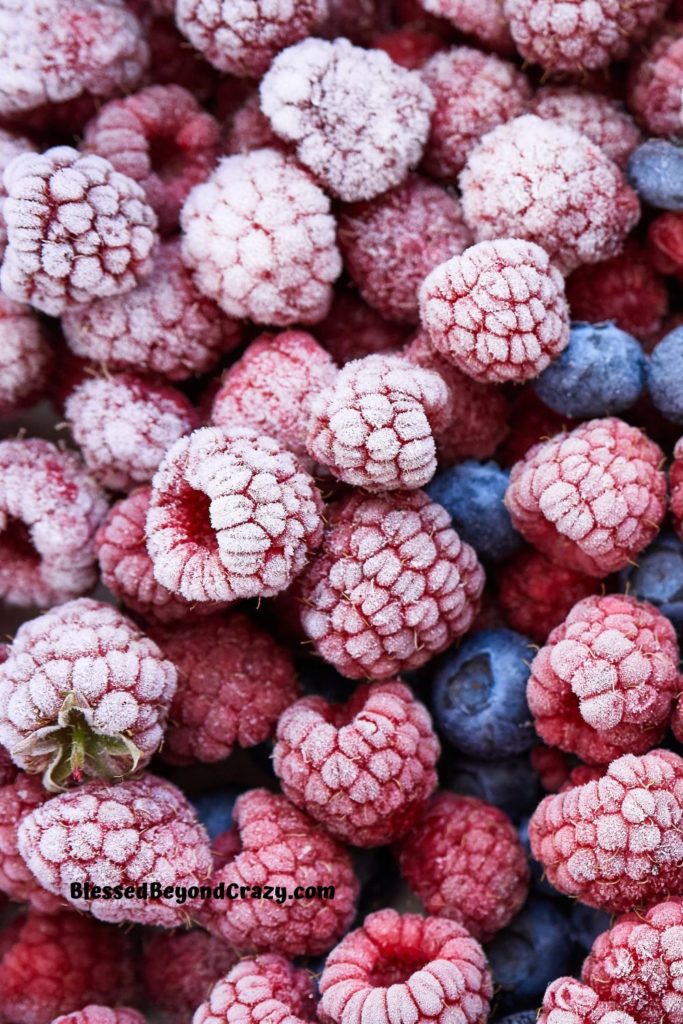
(214,810)
(655,171)
(658,578)
(665,376)
(510,783)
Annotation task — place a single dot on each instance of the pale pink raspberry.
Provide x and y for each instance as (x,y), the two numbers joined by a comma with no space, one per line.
(615,842)
(260,990)
(567,1001)
(250,129)
(601,119)
(271,388)
(570,35)
(484,20)
(163,326)
(83,693)
(25,357)
(77,230)
(11,145)
(364,789)
(390,243)
(542,181)
(406,968)
(281,846)
(590,499)
(101,1015)
(125,424)
(49,514)
(359,121)
(161,138)
(676,487)
(392,586)
(233,515)
(474,92)
(260,238)
(352,329)
(179,968)
(17,799)
(140,830)
(655,87)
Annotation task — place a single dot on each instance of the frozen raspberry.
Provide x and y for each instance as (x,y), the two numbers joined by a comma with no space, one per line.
(11,145)
(365,790)
(125,424)
(163,326)
(567,1001)
(179,968)
(656,81)
(352,329)
(393,585)
(77,230)
(161,138)
(83,693)
(601,119)
(25,357)
(281,846)
(56,50)
(260,239)
(232,515)
(676,487)
(529,421)
(484,20)
(58,963)
(542,181)
(615,843)
(17,799)
(590,499)
(250,129)
(357,20)
(260,990)
(373,425)
(406,968)
(410,46)
(665,244)
(140,830)
(49,513)
(101,1015)
(570,35)
(604,683)
(552,766)
(358,120)
(391,243)
(173,62)
(535,595)
(272,386)
(474,92)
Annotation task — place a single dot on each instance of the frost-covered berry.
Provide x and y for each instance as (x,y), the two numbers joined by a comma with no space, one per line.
(542,181)
(101,1015)
(373,426)
(163,326)
(49,514)
(17,799)
(601,119)
(77,230)
(359,121)
(656,82)
(124,424)
(365,790)
(392,586)
(250,129)
(279,845)
(654,170)
(25,357)
(260,238)
(83,693)
(410,45)
(665,243)
(179,968)
(11,145)
(535,594)
(473,92)
(234,681)
(390,244)
(406,968)
(352,329)
(498,311)
(567,1001)
(590,499)
(161,138)
(260,990)
(615,842)
(139,830)
(676,486)
(484,20)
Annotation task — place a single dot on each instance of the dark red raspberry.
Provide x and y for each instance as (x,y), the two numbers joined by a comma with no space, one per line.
(250,129)
(101,1015)
(11,145)
(567,1001)
(665,243)
(352,329)
(530,421)
(484,20)
(17,799)
(676,487)
(179,968)
(259,990)
(173,62)
(25,357)
(410,46)
(655,82)
(601,119)
(463,859)
(552,766)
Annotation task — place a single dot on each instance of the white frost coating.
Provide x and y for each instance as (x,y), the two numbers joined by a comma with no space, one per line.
(11,145)
(358,120)
(601,119)
(25,356)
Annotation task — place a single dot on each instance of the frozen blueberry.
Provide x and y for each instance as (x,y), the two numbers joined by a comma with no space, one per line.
(214,810)
(658,578)
(586,923)
(655,170)
(510,784)
(472,494)
(665,375)
(600,372)
(479,694)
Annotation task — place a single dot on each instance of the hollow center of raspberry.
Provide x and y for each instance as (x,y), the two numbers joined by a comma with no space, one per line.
(16,544)
(166,157)
(470,690)
(193,518)
(397,968)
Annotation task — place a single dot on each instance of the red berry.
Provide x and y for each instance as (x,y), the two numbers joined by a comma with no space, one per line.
(665,243)
(259,990)
(352,329)
(25,357)
(484,20)
(601,119)
(676,487)
(17,799)
(655,82)
(250,129)
(567,1001)
(11,145)
(179,968)
(410,46)
(101,1015)
(530,421)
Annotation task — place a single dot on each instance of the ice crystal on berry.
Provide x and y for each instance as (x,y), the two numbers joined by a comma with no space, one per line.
(484,20)
(567,1001)
(179,968)
(259,990)
(17,799)
(602,120)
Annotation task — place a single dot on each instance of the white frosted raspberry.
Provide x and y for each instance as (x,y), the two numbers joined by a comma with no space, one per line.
(260,238)
(11,145)
(602,120)
(358,120)
(25,356)
(482,19)
(77,230)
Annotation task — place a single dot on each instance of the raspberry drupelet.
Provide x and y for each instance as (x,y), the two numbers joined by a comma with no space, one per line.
(102,1015)
(601,119)
(17,799)
(359,122)
(138,830)
(365,790)
(260,238)
(83,693)
(124,424)
(279,845)
(373,427)
(656,80)
(567,1001)
(605,681)
(392,586)
(390,243)
(233,515)
(161,138)
(164,326)
(590,499)
(535,595)
(179,968)
(25,357)
(484,20)
(49,514)
(406,968)
(463,859)
(259,990)
(584,218)
(676,487)
(352,329)
(11,145)
(615,843)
